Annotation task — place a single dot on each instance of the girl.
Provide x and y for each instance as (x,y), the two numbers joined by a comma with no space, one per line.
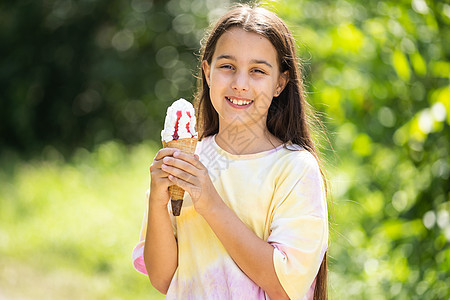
(254,220)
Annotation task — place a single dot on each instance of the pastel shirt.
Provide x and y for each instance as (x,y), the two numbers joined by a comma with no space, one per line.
(279,195)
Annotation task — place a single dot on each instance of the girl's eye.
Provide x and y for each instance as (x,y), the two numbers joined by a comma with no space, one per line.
(259,71)
(228,67)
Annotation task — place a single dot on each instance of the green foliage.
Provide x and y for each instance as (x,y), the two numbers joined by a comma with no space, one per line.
(380,71)
(76,74)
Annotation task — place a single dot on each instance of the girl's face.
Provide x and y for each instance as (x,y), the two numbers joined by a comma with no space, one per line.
(243,77)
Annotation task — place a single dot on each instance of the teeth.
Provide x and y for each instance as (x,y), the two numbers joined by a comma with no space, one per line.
(238,102)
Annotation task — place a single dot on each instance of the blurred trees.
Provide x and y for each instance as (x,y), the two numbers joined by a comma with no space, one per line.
(380,70)
(77,73)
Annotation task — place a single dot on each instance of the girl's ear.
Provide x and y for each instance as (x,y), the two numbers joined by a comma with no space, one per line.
(282,82)
(206,70)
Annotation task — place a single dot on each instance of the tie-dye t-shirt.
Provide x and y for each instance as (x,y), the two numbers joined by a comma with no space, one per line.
(279,195)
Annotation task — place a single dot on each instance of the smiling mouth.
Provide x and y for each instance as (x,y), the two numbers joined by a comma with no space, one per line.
(239,102)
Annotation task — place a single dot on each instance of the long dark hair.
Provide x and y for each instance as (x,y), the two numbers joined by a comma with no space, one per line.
(289,113)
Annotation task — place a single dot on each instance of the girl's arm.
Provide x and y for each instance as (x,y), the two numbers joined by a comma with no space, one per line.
(160,250)
(253,255)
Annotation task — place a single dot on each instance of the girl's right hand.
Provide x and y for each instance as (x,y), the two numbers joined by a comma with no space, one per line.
(159,184)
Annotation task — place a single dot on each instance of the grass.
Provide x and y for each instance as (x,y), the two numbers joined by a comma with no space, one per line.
(67,228)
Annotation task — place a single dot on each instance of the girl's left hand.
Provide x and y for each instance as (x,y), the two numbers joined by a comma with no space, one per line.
(186,171)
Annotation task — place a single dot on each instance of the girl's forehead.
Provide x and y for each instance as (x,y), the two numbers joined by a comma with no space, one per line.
(244,45)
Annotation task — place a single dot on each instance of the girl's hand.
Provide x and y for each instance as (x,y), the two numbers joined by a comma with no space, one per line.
(186,171)
(159,184)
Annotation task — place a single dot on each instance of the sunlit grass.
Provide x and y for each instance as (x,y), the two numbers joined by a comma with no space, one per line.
(67,228)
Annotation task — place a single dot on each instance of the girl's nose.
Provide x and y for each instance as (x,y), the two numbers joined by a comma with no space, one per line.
(240,82)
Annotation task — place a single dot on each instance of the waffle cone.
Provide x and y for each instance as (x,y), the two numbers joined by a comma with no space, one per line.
(177,193)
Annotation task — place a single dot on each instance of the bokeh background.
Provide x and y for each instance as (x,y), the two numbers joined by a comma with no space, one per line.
(84,86)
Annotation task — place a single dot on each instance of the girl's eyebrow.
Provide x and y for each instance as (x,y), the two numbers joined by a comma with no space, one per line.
(253,61)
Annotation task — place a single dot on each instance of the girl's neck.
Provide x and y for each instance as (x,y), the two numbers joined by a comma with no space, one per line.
(242,140)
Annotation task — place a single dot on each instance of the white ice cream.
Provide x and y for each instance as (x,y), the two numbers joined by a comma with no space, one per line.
(179,110)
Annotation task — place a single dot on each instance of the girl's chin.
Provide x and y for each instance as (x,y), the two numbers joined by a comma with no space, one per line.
(236,123)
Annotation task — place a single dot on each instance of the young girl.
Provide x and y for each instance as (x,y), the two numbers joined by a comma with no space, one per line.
(254,220)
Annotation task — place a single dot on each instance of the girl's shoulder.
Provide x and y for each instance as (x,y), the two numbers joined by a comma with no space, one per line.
(295,158)
(294,151)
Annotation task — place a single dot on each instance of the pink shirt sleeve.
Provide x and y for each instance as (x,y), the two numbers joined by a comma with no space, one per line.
(138,250)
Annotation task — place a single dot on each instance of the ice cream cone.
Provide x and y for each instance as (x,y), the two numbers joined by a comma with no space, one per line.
(176,193)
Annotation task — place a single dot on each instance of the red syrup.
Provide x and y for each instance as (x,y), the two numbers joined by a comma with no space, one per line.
(188,123)
(175,134)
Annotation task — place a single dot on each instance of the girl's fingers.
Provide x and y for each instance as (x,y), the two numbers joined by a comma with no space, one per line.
(180,163)
(178,173)
(156,169)
(192,159)
(165,181)
(165,152)
(192,189)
